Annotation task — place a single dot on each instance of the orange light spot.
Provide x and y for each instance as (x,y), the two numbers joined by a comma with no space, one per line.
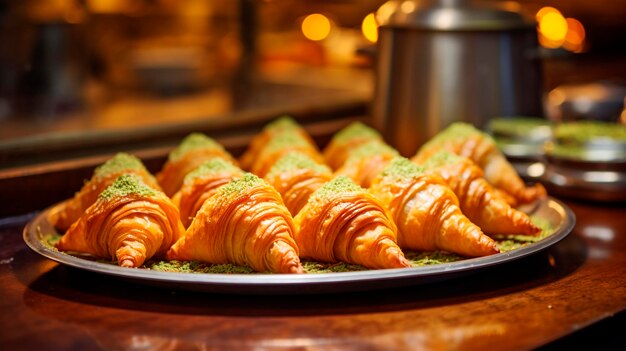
(369,27)
(316,27)
(575,37)
(543,11)
(552,27)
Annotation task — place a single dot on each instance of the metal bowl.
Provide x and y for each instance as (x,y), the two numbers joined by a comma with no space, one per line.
(594,170)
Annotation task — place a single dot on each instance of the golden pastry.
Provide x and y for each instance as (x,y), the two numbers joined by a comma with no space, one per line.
(296,176)
(276,127)
(65,214)
(477,198)
(367,161)
(464,140)
(202,183)
(244,223)
(130,222)
(193,151)
(427,212)
(280,145)
(342,222)
(344,141)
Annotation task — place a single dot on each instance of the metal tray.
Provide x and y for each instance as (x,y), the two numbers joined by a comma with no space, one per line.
(551,210)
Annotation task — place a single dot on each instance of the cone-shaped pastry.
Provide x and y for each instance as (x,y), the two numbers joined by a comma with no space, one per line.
(465,140)
(427,212)
(202,183)
(280,145)
(278,126)
(130,222)
(345,140)
(191,153)
(65,214)
(244,223)
(477,198)
(296,176)
(367,161)
(342,222)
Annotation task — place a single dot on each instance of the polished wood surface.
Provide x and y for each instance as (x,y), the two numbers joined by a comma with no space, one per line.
(519,305)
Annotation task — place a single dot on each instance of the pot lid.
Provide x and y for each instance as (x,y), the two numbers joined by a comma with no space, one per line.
(450,15)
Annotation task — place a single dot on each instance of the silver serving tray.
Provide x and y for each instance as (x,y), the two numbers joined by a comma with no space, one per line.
(559,215)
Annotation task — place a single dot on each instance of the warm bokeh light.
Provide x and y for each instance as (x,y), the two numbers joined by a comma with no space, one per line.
(316,27)
(407,6)
(556,31)
(553,26)
(544,11)
(369,27)
(575,37)
(385,11)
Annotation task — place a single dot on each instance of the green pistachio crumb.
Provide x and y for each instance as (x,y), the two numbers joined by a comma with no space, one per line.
(457,130)
(442,158)
(212,166)
(282,123)
(356,130)
(519,126)
(512,242)
(118,163)
(240,184)
(340,184)
(430,258)
(297,160)
(285,139)
(371,148)
(586,131)
(197,267)
(402,168)
(125,185)
(313,267)
(193,141)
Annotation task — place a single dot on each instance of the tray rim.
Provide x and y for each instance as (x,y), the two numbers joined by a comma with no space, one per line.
(290,283)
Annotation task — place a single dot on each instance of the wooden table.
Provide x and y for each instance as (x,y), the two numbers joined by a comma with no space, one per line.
(519,305)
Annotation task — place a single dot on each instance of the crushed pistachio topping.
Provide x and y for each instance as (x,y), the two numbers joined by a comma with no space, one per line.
(402,168)
(297,160)
(125,185)
(371,148)
(313,267)
(240,184)
(517,125)
(212,166)
(120,162)
(511,242)
(585,131)
(418,259)
(442,158)
(197,267)
(193,141)
(286,139)
(356,130)
(457,130)
(282,123)
(461,129)
(340,184)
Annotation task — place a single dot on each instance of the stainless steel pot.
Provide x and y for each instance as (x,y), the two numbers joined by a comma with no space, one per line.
(442,61)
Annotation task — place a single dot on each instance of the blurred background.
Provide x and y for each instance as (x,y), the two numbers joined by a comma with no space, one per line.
(108,65)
